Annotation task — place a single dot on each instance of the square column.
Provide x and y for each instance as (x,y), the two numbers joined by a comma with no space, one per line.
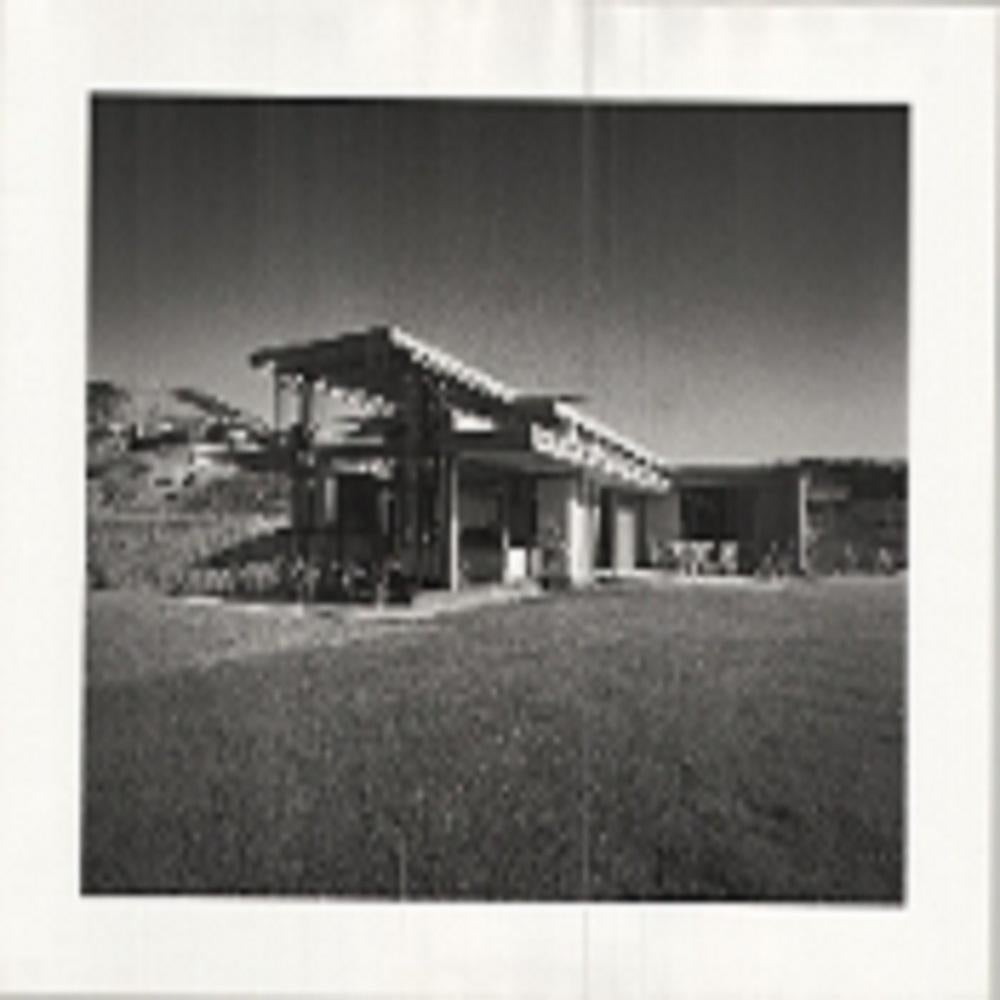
(802,520)
(564,529)
(450,524)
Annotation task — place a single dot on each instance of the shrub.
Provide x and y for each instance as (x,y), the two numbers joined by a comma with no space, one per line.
(97,575)
(302,579)
(399,587)
(257,579)
(174,581)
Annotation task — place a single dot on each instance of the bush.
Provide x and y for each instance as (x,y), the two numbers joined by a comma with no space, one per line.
(258,579)
(399,587)
(240,493)
(300,579)
(97,576)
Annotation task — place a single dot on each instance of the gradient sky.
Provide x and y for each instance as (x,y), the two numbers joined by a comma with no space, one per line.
(719,282)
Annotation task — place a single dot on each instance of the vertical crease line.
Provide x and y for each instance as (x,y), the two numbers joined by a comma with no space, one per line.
(586,194)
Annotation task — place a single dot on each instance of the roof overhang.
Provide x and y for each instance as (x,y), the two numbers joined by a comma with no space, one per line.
(376,362)
(540,450)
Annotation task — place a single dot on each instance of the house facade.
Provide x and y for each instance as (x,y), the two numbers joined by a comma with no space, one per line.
(459,478)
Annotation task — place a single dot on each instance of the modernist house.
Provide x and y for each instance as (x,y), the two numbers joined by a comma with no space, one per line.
(457,475)
(396,449)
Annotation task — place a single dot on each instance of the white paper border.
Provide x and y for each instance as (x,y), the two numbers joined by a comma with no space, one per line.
(940,62)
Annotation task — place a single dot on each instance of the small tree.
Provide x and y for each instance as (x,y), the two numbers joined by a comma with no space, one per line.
(106,403)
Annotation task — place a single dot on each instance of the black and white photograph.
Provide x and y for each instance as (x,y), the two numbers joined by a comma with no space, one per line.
(499,499)
(495,500)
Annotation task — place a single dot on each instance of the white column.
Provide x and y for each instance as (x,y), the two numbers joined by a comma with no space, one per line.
(563,524)
(579,531)
(453,524)
(803,520)
(505,529)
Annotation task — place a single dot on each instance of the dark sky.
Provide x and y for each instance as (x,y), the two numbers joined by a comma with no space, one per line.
(721,283)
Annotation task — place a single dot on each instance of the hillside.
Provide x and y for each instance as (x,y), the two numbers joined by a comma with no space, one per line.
(176,450)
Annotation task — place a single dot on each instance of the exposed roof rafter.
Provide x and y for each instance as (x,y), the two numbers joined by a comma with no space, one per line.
(376,359)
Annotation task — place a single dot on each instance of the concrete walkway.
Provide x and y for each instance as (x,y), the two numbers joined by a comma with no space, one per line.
(432,603)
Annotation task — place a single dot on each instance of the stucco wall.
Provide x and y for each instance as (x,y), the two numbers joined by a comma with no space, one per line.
(564,527)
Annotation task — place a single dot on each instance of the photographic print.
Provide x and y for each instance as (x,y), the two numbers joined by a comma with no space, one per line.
(496,500)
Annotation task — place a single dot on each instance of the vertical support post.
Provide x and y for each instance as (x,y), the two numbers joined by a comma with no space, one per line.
(339,522)
(504,529)
(595,528)
(452,540)
(802,484)
(399,511)
(408,480)
(304,486)
(612,514)
(642,546)
(277,400)
(561,524)
(306,391)
(593,506)
(576,528)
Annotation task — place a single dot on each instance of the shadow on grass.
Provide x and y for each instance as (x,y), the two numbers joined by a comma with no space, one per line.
(266,547)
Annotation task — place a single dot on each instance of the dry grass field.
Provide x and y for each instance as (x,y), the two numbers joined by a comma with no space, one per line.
(715,741)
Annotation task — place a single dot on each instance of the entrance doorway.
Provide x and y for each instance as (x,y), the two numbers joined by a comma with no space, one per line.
(481,532)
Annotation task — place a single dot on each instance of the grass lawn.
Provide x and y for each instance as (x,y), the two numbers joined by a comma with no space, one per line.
(731,741)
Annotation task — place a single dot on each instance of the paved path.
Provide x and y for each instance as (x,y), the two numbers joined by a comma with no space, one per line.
(138,633)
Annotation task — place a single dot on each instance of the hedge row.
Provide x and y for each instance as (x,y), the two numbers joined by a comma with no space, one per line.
(156,552)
